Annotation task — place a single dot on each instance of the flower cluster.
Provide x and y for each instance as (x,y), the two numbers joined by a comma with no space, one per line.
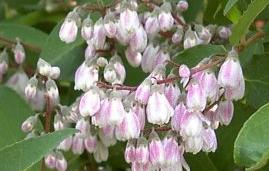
(188,103)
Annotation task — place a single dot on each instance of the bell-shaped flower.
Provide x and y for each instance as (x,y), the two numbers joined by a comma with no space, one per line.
(156,150)
(107,135)
(139,40)
(130,152)
(209,85)
(152,25)
(178,35)
(87,29)
(134,58)
(43,67)
(115,112)
(101,153)
(19,53)
(61,163)
(129,21)
(149,57)
(50,160)
(90,143)
(142,151)
(190,39)
(31,88)
(209,140)
(90,51)
(90,102)
(52,91)
(66,144)
(99,35)
(165,17)
(78,144)
(196,99)
(142,92)
(83,126)
(179,117)
(172,93)
(139,110)
(110,25)
(225,112)
(171,150)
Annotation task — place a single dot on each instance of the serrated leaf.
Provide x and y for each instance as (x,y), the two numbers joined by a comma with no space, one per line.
(194,55)
(23,154)
(67,56)
(241,27)
(26,34)
(229,5)
(251,148)
(12,117)
(257,81)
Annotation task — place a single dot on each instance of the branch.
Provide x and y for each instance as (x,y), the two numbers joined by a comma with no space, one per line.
(10,44)
(250,40)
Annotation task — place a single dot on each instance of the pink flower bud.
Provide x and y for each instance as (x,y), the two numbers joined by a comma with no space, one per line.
(224,32)
(193,144)
(129,127)
(50,160)
(134,58)
(142,92)
(184,71)
(19,53)
(172,93)
(87,29)
(66,144)
(55,72)
(83,126)
(166,21)
(209,140)
(110,25)
(99,35)
(158,109)
(102,62)
(90,103)
(101,153)
(140,113)
(152,25)
(190,39)
(179,117)
(110,74)
(90,51)
(203,33)
(182,5)
(78,144)
(138,41)
(116,112)
(149,57)
(225,112)
(122,36)
(106,135)
(156,150)
(31,88)
(171,150)
(178,35)
(231,77)
(3,63)
(160,58)
(61,163)
(191,125)
(142,151)
(52,91)
(196,99)
(58,123)
(100,118)
(209,84)
(119,68)
(90,143)
(130,152)
(38,102)
(43,67)
(28,124)
(69,29)
(129,21)
(85,76)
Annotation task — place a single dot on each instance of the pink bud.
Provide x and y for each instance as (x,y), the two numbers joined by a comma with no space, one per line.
(89,103)
(55,72)
(100,118)
(3,63)
(171,150)
(191,125)
(225,112)
(133,58)
(190,39)
(140,113)
(69,29)
(152,25)
(179,117)
(138,41)
(224,32)
(122,36)
(78,144)
(52,91)
(87,29)
(129,21)
(90,51)
(119,68)
(50,160)
(196,99)
(28,124)
(38,102)
(142,92)
(166,21)
(109,25)
(31,88)
(19,53)
(90,143)
(193,144)
(184,71)
(43,67)
(158,109)
(101,153)
(182,5)
(209,84)
(83,126)
(141,151)
(130,152)
(61,163)
(209,140)
(149,58)
(99,35)
(160,58)
(115,111)
(129,127)
(203,34)
(156,150)
(106,135)
(110,73)
(178,35)
(66,144)
(172,93)
(85,77)
(58,123)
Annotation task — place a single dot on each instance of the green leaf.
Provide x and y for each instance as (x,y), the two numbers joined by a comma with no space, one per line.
(251,148)
(25,33)
(226,135)
(230,4)
(200,162)
(67,56)
(257,81)
(23,154)
(234,14)
(241,28)
(12,117)
(194,55)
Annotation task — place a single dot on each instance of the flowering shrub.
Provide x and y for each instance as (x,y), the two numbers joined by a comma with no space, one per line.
(147,78)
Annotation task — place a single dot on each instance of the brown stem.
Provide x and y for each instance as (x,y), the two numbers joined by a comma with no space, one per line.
(250,40)
(10,44)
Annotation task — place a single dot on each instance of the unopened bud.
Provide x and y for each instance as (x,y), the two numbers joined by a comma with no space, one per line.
(19,53)
(29,124)
(52,91)
(182,5)
(43,67)
(55,73)
(87,29)
(31,88)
